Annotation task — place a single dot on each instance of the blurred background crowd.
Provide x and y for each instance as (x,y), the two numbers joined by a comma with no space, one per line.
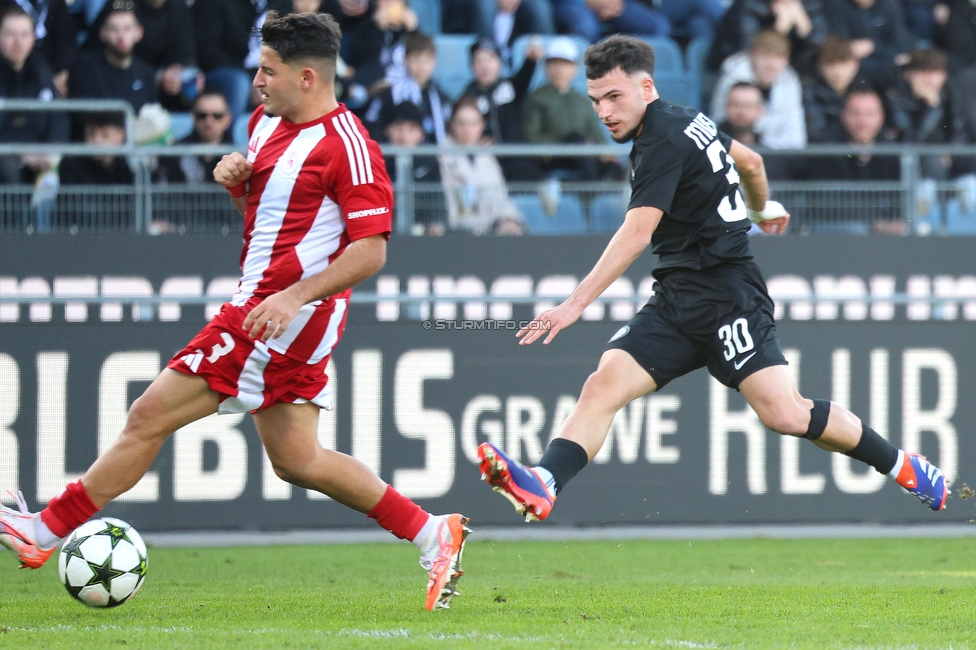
(777,74)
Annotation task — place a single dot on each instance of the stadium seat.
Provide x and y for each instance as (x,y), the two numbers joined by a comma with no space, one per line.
(522,43)
(239,130)
(695,57)
(667,55)
(180,125)
(958,221)
(568,220)
(678,88)
(428,16)
(453,70)
(607,212)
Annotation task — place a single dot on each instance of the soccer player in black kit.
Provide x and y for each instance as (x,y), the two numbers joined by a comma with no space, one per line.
(711,308)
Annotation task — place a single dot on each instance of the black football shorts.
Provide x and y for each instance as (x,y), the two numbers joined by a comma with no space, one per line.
(721,317)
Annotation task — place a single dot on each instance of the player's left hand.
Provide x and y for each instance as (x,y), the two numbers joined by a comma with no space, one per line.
(775,226)
(270,319)
(551,321)
(773,218)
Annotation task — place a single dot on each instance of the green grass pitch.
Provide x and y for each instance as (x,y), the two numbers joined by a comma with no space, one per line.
(877,593)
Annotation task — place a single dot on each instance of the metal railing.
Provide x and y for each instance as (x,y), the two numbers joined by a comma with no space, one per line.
(149,207)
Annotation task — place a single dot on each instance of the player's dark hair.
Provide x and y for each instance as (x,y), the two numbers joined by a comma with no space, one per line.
(625,52)
(417,42)
(299,37)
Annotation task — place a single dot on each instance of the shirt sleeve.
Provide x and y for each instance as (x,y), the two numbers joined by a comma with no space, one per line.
(360,183)
(657,173)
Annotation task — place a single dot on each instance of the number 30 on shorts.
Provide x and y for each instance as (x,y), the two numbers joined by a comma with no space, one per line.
(736,338)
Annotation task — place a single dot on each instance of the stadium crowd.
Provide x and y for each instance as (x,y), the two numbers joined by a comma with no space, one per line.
(778,74)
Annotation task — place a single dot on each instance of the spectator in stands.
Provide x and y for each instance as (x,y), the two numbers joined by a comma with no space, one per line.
(863,119)
(211,125)
(407,130)
(743,109)
(477,197)
(801,21)
(420,59)
(501,101)
(102,208)
(558,113)
(168,45)
(377,50)
(24,74)
(691,18)
(348,13)
(823,96)
(955,32)
(593,18)
(767,65)
(876,29)
(101,130)
(55,35)
(227,39)
(114,72)
(500,21)
(921,109)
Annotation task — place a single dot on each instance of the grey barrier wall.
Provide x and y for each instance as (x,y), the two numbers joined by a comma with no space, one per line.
(881,324)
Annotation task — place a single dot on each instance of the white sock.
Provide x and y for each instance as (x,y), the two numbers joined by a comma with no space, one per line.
(427,537)
(43,536)
(898,463)
(548,479)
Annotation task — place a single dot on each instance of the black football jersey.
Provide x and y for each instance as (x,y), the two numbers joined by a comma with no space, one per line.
(680,164)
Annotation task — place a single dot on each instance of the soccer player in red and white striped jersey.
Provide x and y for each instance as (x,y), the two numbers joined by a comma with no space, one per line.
(317,206)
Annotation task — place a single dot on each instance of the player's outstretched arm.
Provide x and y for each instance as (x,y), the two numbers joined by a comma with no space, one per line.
(363,258)
(769,215)
(232,172)
(625,247)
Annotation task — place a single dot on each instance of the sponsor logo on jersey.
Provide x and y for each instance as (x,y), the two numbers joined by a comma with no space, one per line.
(371,212)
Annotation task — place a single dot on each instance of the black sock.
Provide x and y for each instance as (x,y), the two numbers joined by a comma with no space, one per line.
(564,459)
(874,450)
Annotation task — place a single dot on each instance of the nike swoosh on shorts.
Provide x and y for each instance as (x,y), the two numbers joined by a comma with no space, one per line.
(738,364)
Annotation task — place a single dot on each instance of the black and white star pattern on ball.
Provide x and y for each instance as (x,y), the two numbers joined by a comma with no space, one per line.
(104,573)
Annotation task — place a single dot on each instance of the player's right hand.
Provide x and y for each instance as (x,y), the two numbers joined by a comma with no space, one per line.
(233,169)
(551,321)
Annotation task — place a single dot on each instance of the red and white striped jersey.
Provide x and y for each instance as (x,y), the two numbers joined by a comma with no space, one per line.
(314,189)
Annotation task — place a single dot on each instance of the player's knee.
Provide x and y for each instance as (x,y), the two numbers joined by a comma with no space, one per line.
(787,420)
(599,391)
(143,419)
(285,471)
(290,471)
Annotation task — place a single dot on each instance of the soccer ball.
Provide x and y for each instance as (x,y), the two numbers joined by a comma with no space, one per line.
(103,563)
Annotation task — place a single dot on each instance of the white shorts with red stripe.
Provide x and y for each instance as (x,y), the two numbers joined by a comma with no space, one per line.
(249,375)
